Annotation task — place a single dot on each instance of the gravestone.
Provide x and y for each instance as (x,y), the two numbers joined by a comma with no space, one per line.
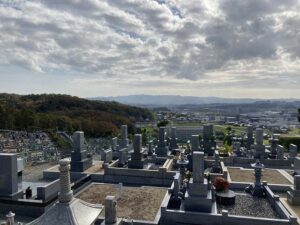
(280,152)
(9,176)
(150,148)
(237,148)
(250,139)
(216,167)
(173,140)
(292,151)
(123,157)
(293,195)
(107,156)
(136,161)
(114,144)
(79,157)
(198,197)
(208,144)
(297,165)
(273,143)
(124,141)
(162,149)
(259,147)
(195,143)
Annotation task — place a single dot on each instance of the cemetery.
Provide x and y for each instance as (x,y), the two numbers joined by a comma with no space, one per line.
(162,182)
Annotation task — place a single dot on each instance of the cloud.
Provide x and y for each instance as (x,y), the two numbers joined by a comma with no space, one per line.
(236,42)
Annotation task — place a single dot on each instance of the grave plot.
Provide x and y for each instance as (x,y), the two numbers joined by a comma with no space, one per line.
(271,176)
(138,203)
(247,205)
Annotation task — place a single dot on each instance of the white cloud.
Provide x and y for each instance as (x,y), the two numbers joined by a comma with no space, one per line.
(199,44)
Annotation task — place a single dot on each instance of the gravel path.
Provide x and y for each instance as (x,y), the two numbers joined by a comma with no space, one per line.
(246,205)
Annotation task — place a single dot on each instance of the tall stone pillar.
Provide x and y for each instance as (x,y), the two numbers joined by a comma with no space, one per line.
(66,194)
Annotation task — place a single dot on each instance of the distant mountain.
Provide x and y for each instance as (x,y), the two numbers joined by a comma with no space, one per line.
(159,100)
(63,112)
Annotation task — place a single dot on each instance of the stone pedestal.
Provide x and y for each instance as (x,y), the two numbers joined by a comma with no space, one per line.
(225,197)
(79,157)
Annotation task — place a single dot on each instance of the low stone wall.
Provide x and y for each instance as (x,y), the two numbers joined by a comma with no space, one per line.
(24,207)
(276,204)
(269,163)
(160,177)
(169,217)
(49,191)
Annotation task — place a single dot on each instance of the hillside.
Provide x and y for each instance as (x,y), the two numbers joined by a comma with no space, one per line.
(64,112)
(164,100)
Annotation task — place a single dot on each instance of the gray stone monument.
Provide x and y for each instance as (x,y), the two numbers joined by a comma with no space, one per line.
(292,151)
(80,160)
(237,148)
(9,176)
(124,141)
(110,210)
(114,144)
(107,156)
(259,147)
(293,195)
(208,144)
(297,165)
(123,157)
(136,161)
(162,149)
(280,152)
(195,143)
(198,197)
(273,143)
(150,148)
(216,167)
(250,139)
(173,140)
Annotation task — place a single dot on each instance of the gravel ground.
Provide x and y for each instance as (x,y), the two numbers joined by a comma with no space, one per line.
(139,203)
(246,205)
(271,176)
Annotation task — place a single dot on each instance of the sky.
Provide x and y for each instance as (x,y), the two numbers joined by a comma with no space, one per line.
(88,48)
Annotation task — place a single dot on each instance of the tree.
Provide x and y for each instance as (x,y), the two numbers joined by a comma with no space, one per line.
(162,123)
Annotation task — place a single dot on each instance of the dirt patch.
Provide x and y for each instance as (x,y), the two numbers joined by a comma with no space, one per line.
(271,176)
(139,203)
